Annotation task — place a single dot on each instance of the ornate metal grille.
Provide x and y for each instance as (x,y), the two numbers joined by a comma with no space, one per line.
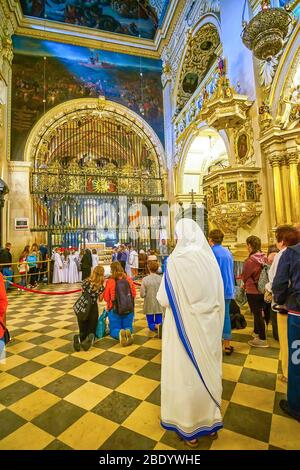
(80,171)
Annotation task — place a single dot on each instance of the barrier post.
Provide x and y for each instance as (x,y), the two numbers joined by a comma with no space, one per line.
(48,270)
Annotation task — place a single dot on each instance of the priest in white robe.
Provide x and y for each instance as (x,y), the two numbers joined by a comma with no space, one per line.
(73,269)
(58,267)
(193,295)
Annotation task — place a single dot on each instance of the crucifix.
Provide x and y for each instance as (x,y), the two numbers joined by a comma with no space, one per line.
(192,193)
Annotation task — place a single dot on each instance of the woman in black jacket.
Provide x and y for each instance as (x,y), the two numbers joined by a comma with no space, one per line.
(92,287)
(86,264)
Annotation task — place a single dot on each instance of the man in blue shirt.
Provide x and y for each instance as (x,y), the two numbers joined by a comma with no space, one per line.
(225,262)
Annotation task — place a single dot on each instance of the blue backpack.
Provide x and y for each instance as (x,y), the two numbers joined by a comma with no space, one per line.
(32,260)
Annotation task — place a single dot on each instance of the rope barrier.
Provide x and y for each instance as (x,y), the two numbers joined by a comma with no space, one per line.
(35,291)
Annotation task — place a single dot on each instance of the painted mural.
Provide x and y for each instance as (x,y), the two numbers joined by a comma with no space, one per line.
(47,73)
(132,17)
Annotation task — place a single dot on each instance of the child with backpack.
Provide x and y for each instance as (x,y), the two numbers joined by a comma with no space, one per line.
(119,296)
(149,289)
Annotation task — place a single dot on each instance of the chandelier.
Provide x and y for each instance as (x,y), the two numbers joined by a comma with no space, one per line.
(265,33)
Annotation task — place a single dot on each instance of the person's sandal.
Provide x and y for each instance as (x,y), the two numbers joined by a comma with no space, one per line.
(122,338)
(191,444)
(213,436)
(229,350)
(129,337)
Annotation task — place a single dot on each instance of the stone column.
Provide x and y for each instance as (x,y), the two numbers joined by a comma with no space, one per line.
(169,140)
(275,162)
(167,99)
(293,160)
(20,204)
(286,189)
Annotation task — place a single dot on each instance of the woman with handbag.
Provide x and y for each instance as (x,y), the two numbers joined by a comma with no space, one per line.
(87,317)
(250,276)
(286,235)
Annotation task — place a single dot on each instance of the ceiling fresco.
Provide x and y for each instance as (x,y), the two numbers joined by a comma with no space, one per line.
(139,18)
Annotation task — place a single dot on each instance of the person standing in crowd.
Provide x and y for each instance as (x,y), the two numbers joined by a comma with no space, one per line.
(191,379)
(286,235)
(120,326)
(58,267)
(225,262)
(79,260)
(127,265)
(73,269)
(149,290)
(23,267)
(269,313)
(134,262)
(95,258)
(122,257)
(65,262)
(6,259)
(164,252)
(86,264)
(286,290)
(114,254)
(250,276)
(43,256)
(3,307)
(32,261)
(92,286)
(142,262)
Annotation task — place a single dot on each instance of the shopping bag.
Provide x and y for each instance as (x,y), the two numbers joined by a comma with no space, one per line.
(82,306)
(101,325)
(240,296)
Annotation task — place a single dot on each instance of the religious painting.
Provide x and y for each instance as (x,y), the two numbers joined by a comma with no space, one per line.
(89,185)
(232,192)
(71,72)
(131,17)
(112,186)
(222,193)
(241,191)
(250,190)
(242,146)
(190,82)
(216,194)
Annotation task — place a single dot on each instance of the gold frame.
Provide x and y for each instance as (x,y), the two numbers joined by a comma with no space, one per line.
(246,130)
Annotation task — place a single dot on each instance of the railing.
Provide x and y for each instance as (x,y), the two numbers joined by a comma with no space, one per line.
(27,275)
(95,184)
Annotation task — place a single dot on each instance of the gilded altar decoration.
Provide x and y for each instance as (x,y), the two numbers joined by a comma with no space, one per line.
(232,198)
(265,33)
(225,108)
(199,57)
(265,116)
(290,108)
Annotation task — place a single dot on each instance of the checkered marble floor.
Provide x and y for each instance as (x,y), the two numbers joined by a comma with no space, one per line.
(109,397)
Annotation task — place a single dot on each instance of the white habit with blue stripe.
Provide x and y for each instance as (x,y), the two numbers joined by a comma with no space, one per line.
(192,293)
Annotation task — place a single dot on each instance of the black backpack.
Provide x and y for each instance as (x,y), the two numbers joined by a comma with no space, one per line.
(123,303)
(237,319)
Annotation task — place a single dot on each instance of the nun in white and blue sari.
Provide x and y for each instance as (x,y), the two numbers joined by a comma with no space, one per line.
(192,293)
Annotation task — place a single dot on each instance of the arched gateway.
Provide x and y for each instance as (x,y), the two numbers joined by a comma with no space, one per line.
(97,170)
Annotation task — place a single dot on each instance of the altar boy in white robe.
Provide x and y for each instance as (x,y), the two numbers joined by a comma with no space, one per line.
(58,267)
(192,293)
